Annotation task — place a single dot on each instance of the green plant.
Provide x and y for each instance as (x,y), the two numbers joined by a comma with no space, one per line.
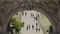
(16,24)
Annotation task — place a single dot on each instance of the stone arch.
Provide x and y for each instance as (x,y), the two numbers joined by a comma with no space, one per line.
(39,10)
(9,8)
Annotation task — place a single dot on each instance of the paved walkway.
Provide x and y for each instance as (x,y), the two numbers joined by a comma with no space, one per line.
(28,20)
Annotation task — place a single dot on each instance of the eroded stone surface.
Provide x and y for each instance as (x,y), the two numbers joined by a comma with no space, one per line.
(10,7)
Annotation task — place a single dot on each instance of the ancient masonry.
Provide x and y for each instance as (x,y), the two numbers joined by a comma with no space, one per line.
(50,8)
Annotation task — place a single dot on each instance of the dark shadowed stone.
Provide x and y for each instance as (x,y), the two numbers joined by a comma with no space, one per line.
(1,1)
(3,33)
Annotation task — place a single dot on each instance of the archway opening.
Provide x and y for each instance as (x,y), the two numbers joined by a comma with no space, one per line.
(33,21)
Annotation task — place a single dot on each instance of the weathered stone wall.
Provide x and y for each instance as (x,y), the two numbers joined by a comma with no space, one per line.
(50,7)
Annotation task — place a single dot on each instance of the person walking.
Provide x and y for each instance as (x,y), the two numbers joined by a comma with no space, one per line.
(36,24)
(32,26)
(50,30)
(27,27)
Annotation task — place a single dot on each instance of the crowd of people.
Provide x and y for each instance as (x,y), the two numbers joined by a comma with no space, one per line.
(29,27)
